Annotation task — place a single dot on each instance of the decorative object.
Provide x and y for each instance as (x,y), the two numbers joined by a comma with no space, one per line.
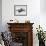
(7,38)
(41,36)
(27,21)
(13,21)
(20,10)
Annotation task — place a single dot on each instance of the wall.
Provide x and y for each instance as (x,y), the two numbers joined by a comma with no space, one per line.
(33,14)
(43,13)
(33,10)
(0,15)
(36,19)
(43,6)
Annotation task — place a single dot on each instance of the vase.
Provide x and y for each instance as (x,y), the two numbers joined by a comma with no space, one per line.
(41,43)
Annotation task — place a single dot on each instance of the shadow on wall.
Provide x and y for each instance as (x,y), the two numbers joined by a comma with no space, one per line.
(0,15)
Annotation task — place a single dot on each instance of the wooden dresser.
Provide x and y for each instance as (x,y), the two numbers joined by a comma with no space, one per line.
(22,33)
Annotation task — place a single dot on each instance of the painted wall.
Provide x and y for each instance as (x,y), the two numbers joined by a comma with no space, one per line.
(43,13)
(33,10)
(0,15)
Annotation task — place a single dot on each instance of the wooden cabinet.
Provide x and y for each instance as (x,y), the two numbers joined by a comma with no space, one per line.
(22,33)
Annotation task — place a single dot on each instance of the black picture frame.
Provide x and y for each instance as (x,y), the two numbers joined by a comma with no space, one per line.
(20,10)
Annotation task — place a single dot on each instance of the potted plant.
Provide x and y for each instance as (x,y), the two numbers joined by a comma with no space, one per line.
(41,36)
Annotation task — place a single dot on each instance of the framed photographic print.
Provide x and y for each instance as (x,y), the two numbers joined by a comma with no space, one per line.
(20,10)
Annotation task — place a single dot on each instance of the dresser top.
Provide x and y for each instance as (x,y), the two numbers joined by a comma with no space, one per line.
(19,23)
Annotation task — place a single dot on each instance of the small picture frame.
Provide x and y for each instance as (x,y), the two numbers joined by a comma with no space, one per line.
(20,10)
